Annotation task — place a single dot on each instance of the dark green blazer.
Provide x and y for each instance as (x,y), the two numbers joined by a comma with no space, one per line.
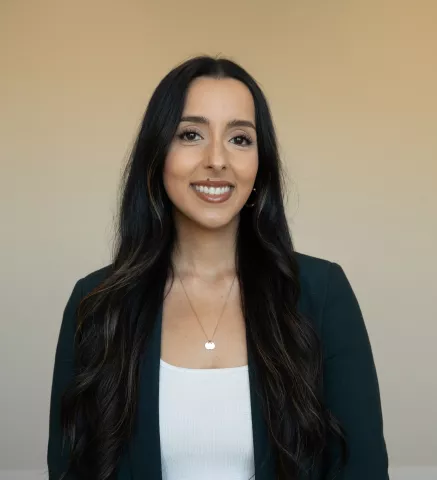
(350,383)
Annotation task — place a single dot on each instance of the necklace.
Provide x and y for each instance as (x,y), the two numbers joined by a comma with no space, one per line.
(209,345)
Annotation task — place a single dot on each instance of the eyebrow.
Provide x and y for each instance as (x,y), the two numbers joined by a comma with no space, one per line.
(230,124)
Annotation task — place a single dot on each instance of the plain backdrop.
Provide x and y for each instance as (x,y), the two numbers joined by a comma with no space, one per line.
(352,88)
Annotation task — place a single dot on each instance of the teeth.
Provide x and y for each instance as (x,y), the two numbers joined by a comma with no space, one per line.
(212,190)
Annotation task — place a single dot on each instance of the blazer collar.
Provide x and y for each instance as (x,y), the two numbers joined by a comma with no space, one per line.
(144,452)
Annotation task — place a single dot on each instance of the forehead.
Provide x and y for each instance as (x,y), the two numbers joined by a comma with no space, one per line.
(224,98)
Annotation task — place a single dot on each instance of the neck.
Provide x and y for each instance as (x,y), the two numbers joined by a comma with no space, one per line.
(205,253)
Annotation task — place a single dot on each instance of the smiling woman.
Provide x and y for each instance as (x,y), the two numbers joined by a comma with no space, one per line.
(209,347)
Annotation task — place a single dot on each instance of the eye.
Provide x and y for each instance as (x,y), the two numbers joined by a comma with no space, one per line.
(189,136)
(242,140)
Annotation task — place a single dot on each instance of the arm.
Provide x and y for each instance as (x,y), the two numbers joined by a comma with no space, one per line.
(57,457)
(350,381)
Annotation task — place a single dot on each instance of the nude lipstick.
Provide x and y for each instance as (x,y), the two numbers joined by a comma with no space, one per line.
(213,191)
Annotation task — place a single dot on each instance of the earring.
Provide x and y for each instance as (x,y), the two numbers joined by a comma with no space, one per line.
(250,205)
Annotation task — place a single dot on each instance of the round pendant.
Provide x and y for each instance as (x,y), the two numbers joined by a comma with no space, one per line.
(210,345)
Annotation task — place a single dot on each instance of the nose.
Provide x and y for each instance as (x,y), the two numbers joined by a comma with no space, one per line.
(216,156)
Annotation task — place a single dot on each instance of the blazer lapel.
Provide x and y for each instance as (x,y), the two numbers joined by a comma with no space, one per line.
(263,454)
(144,451)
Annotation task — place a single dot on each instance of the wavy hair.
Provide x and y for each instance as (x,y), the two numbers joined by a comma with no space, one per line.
(115,320)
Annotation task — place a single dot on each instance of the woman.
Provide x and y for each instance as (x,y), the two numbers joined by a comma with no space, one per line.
(209,348)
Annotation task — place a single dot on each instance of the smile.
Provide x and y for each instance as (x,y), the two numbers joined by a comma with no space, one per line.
(213,194)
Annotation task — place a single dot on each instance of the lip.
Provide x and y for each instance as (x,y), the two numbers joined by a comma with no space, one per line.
(212,198)
(214,183)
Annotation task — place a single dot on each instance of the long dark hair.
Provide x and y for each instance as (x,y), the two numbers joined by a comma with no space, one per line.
(115,320)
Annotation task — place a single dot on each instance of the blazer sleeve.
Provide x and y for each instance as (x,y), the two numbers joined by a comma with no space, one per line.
(57,454)
(350,381)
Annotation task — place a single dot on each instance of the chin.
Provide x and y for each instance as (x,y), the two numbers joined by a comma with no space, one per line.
(214,222)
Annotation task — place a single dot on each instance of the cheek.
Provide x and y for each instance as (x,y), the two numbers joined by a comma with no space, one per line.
(178,169)
(171,165)
(246,171)
(174,170)
(170,177)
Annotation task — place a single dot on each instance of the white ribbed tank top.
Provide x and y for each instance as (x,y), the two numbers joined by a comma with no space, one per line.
(205,423)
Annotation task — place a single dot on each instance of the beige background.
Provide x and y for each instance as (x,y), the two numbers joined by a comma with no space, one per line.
(352,86)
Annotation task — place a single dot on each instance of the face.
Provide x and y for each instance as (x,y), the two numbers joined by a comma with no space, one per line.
(210,170)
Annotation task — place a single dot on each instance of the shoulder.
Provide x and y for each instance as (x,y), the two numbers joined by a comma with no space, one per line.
(92,279)
(313,275)
(319,279)
(312,270)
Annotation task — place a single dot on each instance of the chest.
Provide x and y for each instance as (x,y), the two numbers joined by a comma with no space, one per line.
(206,315)
(207,432)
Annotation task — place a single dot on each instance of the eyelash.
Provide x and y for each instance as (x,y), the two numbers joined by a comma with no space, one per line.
(246,137)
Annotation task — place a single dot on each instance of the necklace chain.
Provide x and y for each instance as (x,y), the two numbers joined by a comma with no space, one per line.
(209,341)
